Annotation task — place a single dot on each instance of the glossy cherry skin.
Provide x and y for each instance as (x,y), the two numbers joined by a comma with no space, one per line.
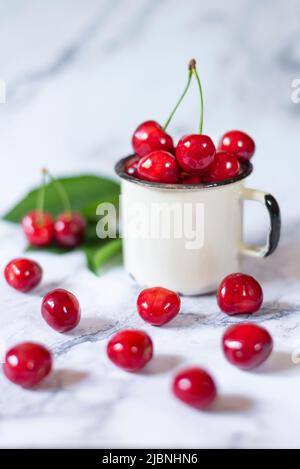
(247,345)
(224,166)
(27,364)
(158,305)
(69,230)
(38,228)
(131,165)
(195,387)
(239,294)
(195,153)
(130,349)
(186,178)
(237,143)
(158,166)
(149,137)
(23,274)
(61,310)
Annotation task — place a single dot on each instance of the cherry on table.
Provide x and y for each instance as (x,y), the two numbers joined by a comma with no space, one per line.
(239,294)
(195,387)
(130,349)
(61,310)
(131,165)
(23,274)
(38,228)
(150,136)
(69,229)
(158,166)
(27,364)
(247,345)
(158,305)
(224,166)
(238,143)
(195,153)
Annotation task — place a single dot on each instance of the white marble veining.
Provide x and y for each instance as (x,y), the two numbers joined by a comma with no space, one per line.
(80,76)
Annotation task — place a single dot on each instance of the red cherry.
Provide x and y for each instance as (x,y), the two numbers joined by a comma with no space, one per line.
(131,165)
(61,310)
(186,178)
(195,387)
(247,345)
(38,228)
(238,143)
(149,137)
(224,166)
(69,229)
(158,166)
(158,305)
(23,274)
(195,153)
(239,294)
(27,364)
(130,349)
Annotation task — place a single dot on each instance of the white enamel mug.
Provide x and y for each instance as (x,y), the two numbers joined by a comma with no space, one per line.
(190,261)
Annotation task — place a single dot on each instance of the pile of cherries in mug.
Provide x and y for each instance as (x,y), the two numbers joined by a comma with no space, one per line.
(245,345)
(194,160)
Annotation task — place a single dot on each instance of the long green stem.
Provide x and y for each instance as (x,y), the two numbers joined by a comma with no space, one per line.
(180,99)
(62,193)
(194,71)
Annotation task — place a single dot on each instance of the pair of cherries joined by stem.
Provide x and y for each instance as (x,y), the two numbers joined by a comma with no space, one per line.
(67,230)
(194,159)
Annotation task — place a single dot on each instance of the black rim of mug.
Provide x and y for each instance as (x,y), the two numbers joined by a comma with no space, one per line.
(246,170)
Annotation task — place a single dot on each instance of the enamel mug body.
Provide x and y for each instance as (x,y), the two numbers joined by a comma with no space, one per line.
(189,237)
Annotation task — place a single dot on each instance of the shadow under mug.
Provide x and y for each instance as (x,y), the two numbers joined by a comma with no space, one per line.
(175,262)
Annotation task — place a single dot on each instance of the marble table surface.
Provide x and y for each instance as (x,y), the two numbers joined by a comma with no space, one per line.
(80,76)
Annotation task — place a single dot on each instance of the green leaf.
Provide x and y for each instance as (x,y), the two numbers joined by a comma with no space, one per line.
(52,249)
(85,193)
(100,254)
(106,255)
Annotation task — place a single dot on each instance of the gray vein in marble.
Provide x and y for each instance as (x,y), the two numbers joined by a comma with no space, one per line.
(96,336)
(134,29)
(66,56)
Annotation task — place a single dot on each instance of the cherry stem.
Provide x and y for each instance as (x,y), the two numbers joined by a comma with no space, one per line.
(180,99)
(62,193)
(192,66)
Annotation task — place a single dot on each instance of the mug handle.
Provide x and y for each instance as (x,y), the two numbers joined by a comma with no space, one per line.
(275,223)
